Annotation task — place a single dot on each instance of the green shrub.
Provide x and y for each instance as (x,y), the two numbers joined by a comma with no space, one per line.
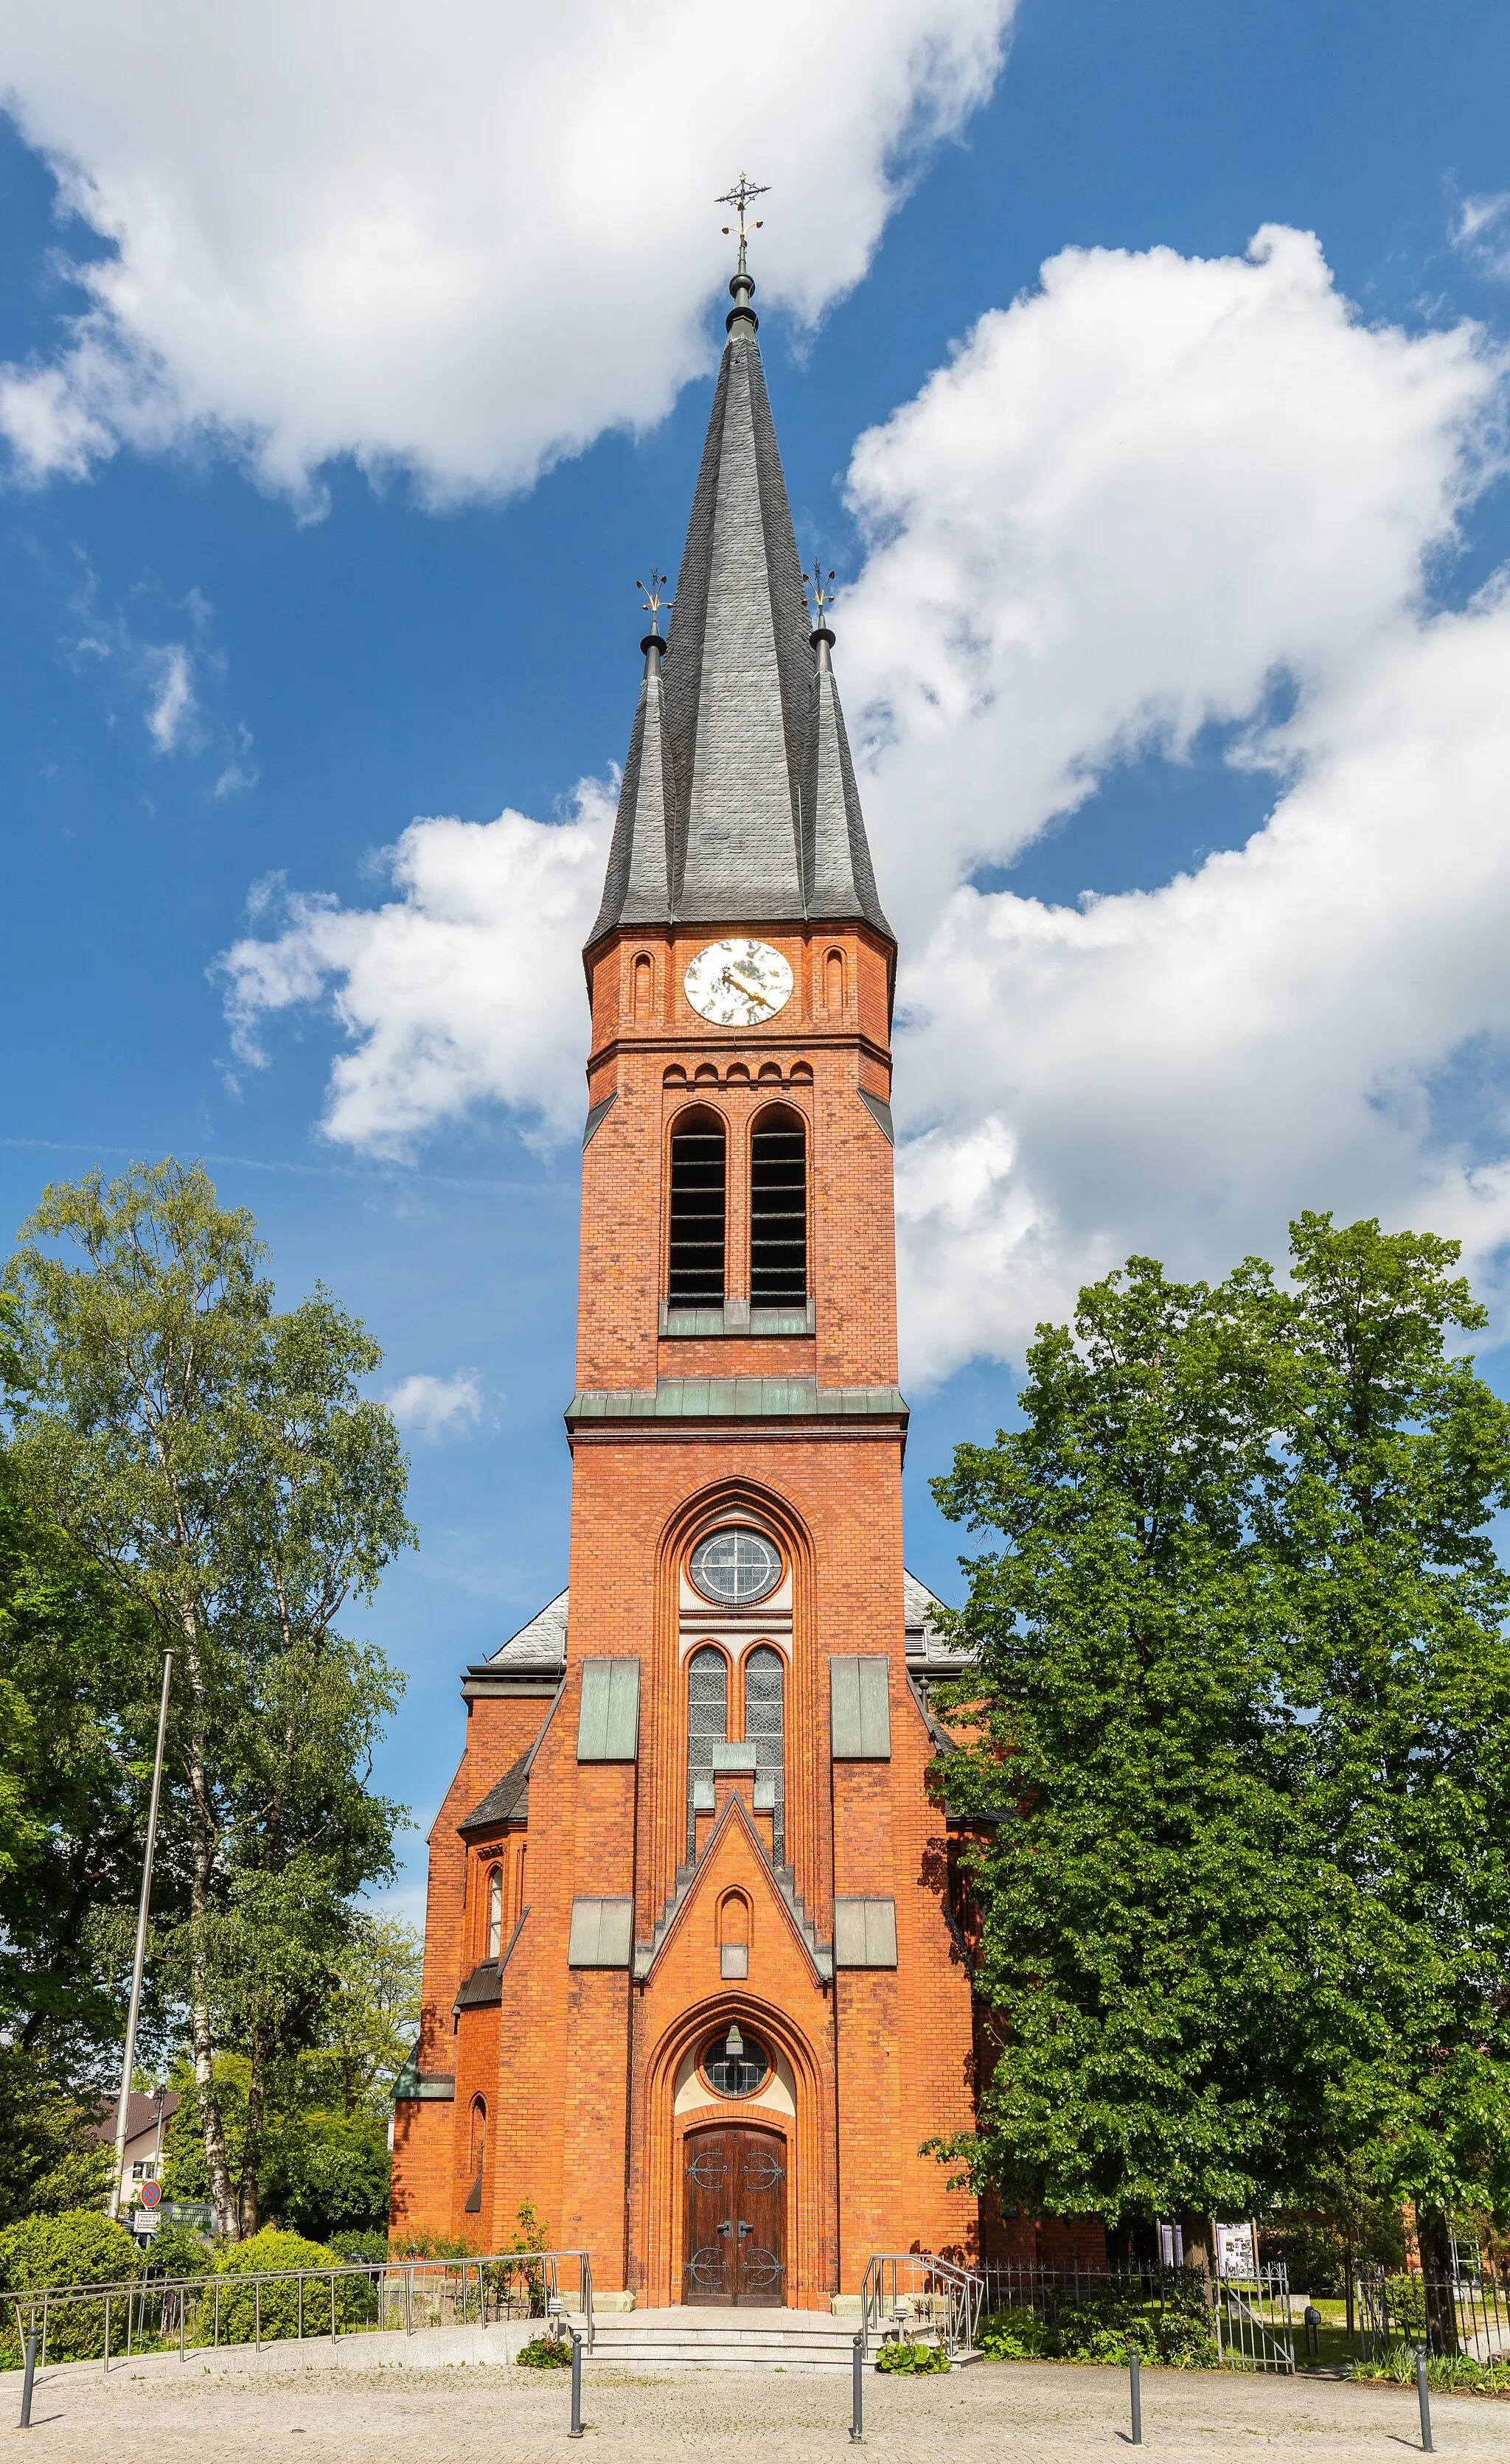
(1097,2327)
(916,2361)
(1014,2336)
(80,2247)
(1455,2372)
(371,2246)
(177,2250)
(545,2353)
(277,2305)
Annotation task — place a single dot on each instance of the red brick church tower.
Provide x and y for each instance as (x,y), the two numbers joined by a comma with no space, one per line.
(692,1983)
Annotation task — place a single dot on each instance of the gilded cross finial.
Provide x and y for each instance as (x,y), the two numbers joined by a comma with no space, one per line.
(654,598)
(821,585)
(739,197)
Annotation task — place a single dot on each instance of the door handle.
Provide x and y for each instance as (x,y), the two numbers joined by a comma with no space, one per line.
(744,2229)
(727,2226)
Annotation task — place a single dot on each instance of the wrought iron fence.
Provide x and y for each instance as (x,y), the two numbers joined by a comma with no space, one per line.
(199,2313)
(1466,2313)
(910,2294)
(1178,2315)
(1255,2330)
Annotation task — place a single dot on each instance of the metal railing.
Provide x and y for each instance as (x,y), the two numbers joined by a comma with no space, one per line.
(910,2294)
(359,2296)
(1467,2313)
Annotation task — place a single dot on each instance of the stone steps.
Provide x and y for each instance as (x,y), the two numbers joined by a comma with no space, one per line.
(696,2338)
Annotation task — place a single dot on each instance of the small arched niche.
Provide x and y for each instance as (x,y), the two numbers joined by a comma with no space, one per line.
(734,1935)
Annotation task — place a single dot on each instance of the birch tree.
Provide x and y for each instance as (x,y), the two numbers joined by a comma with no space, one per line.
(216,1457)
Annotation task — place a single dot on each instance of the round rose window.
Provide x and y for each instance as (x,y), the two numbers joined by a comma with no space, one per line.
(735,1567)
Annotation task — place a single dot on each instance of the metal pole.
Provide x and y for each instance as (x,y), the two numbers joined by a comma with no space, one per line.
(857,2407)
(146,1902)
(1134,2367)
(1425,2400)
(31,2373)
(575,2432)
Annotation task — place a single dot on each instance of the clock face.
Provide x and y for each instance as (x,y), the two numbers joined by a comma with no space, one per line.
(738,983)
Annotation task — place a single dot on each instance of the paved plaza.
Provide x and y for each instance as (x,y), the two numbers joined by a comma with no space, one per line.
(995,2413)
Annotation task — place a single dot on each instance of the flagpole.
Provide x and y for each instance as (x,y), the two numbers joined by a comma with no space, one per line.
(128,2065)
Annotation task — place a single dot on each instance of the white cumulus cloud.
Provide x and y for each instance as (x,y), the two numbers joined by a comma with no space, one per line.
(465,988)
(465,237)
(1155,493)
(430,1408)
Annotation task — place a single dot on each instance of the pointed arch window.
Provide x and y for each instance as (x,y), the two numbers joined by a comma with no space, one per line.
(707,1727)
(698,1203)
(766,1729)
(479,2155)
(778,1210)
(494,1912)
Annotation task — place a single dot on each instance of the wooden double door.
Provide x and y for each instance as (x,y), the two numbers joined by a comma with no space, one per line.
(735,2217)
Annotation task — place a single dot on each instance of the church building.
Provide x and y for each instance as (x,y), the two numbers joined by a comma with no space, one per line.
(693,1985)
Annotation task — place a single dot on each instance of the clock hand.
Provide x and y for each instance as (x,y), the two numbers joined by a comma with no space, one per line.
(738,985)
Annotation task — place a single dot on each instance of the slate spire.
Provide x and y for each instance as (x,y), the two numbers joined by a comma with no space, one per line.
(739,804)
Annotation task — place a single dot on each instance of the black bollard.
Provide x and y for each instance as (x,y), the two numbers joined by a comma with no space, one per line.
(575,2432)
(857,2412)
(29,2375)
(1426,2401)
(1134,2367)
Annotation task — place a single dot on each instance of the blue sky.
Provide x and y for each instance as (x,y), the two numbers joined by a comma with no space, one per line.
(226,668)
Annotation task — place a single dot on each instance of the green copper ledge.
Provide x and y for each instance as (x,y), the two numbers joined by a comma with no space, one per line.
(736,1398)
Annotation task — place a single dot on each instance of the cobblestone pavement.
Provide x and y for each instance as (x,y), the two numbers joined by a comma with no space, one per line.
(1001,2413)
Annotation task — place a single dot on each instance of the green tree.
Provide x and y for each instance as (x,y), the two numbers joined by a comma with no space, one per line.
(1392,1461)
(371,2019)
(1240,1700)
(52,2159)
(215,1457)
(79,1682)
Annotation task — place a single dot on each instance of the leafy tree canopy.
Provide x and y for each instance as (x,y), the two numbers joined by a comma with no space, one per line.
(1241,1708)
(217,1462)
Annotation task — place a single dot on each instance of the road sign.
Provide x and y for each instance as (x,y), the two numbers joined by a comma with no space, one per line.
(151,2195)
(143,2224)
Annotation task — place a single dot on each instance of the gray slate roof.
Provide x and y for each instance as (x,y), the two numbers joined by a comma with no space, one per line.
(739,803)
(507,1795)
(541,1644)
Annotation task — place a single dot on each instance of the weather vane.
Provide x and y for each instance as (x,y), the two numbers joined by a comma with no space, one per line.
(739,197)
(820,584)
(654,600)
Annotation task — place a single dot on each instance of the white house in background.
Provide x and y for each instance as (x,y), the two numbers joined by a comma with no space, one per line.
(148,2113)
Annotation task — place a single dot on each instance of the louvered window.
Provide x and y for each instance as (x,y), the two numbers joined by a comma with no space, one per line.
(697,1160)
(707,1727)
(778,1211)
(765,1729)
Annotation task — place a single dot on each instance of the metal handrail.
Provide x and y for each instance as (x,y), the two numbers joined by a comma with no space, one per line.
(903,2288)
(156,2309)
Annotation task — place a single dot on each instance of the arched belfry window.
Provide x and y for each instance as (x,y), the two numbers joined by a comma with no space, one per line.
(698,1165)
(707,1727)
(778,1210)
(765,1729)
